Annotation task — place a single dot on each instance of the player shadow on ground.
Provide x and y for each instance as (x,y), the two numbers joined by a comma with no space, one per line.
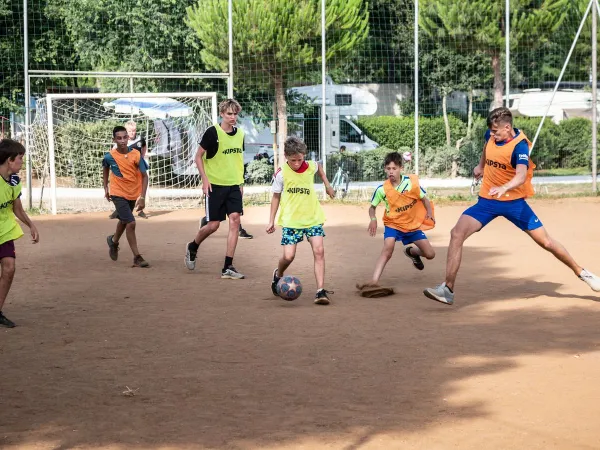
(217,369)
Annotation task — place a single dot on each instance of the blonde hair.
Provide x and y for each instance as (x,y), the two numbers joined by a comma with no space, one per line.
(229,104)
(294,146)
(130,124)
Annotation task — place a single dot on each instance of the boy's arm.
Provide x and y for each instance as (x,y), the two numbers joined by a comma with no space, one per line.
(478,170)
(427,204)
(206,187)
(105,182)
(274,207)
(373,222)
(323,176)
(23,217)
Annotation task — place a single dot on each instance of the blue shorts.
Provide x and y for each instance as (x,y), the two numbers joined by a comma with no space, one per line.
(406,238)
(516,211)
(291,236)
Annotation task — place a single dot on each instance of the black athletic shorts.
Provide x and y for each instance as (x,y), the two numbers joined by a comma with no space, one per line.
(223,201)
(124,208)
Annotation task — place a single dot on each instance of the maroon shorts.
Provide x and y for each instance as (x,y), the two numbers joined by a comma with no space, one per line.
(7,250)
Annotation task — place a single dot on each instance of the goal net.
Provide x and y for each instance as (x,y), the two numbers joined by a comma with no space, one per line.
(70,134)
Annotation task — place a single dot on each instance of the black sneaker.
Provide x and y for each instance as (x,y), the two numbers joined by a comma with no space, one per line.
(203,222)
(113,248)
(5,322)
(416,260)
(190,257)
(321,298)
(243,234)
(274,283)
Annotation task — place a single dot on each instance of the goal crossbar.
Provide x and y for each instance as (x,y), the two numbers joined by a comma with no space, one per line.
(50,121)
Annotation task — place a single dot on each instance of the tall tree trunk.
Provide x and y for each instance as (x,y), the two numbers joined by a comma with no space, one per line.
(470,113)
(446,121)
(498,81)
(281,115)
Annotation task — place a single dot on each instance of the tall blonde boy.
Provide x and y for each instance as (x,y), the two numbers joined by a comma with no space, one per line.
(301,213)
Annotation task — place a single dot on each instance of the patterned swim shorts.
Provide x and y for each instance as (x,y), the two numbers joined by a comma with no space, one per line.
(291,236)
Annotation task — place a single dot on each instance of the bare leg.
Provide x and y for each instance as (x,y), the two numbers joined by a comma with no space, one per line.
(289,253)
(316,242)
(8,274)
(464,228)
(232,237)
(386,253)
(423,248)
(544,240)
(206,231)
(130,233)
(119,232)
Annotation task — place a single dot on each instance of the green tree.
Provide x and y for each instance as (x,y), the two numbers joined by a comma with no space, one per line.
(480,24)
(131,35)
(277,40)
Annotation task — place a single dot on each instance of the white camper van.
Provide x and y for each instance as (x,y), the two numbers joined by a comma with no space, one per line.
(342,102)
(567,103)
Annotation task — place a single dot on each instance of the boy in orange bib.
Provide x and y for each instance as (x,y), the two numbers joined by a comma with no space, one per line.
(507,170)
(408,212)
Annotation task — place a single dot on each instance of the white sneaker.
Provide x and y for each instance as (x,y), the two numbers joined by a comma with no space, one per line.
(231,274)
(592,280)
(190,257)
(440,294)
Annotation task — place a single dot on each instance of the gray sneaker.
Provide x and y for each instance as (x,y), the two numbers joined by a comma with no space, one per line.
(231,274)
(440,294)
(113,248)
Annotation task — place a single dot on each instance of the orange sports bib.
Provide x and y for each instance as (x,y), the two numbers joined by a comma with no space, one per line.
(499,171)
(407,211)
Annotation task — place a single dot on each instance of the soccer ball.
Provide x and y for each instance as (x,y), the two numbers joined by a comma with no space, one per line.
(289,288)
(407,156)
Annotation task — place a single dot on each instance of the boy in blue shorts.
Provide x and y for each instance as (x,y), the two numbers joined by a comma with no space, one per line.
(408,212)
(507,171)
(301,213)
(11,160)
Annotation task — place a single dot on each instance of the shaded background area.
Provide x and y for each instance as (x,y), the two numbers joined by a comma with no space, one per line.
(223,364)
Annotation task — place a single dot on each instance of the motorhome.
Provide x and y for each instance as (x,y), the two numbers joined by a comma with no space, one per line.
(342,103)
(567,103)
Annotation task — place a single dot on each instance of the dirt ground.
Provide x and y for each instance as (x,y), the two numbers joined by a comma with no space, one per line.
(222,364)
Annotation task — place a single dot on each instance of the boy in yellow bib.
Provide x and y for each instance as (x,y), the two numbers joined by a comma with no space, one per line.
(408,212)
(301,213)
(11,160)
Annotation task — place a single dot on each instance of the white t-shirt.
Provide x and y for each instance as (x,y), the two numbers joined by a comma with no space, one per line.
(277,186)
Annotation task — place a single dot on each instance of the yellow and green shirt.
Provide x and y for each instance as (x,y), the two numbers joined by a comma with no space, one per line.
(10,190)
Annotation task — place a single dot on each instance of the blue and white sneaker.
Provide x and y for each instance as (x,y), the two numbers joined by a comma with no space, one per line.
(440,294)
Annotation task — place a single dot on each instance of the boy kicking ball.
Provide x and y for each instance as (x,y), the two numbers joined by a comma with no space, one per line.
(11,160)
(301,213)
(408,212)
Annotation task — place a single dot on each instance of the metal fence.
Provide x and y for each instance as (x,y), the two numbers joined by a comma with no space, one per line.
(354,79)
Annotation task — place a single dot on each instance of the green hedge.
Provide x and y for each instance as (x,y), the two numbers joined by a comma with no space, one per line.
(566,145)
(396,132)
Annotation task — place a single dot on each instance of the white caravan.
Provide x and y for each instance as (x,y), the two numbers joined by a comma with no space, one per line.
(567,103)
(342,102)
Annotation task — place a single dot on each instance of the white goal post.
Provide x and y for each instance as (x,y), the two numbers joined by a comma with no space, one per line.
(70,133)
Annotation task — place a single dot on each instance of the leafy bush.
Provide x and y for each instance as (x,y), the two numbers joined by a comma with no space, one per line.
(259,172)
(395,132)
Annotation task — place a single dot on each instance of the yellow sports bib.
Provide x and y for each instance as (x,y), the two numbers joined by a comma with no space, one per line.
(300,207)
(9,192)
(226,168)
